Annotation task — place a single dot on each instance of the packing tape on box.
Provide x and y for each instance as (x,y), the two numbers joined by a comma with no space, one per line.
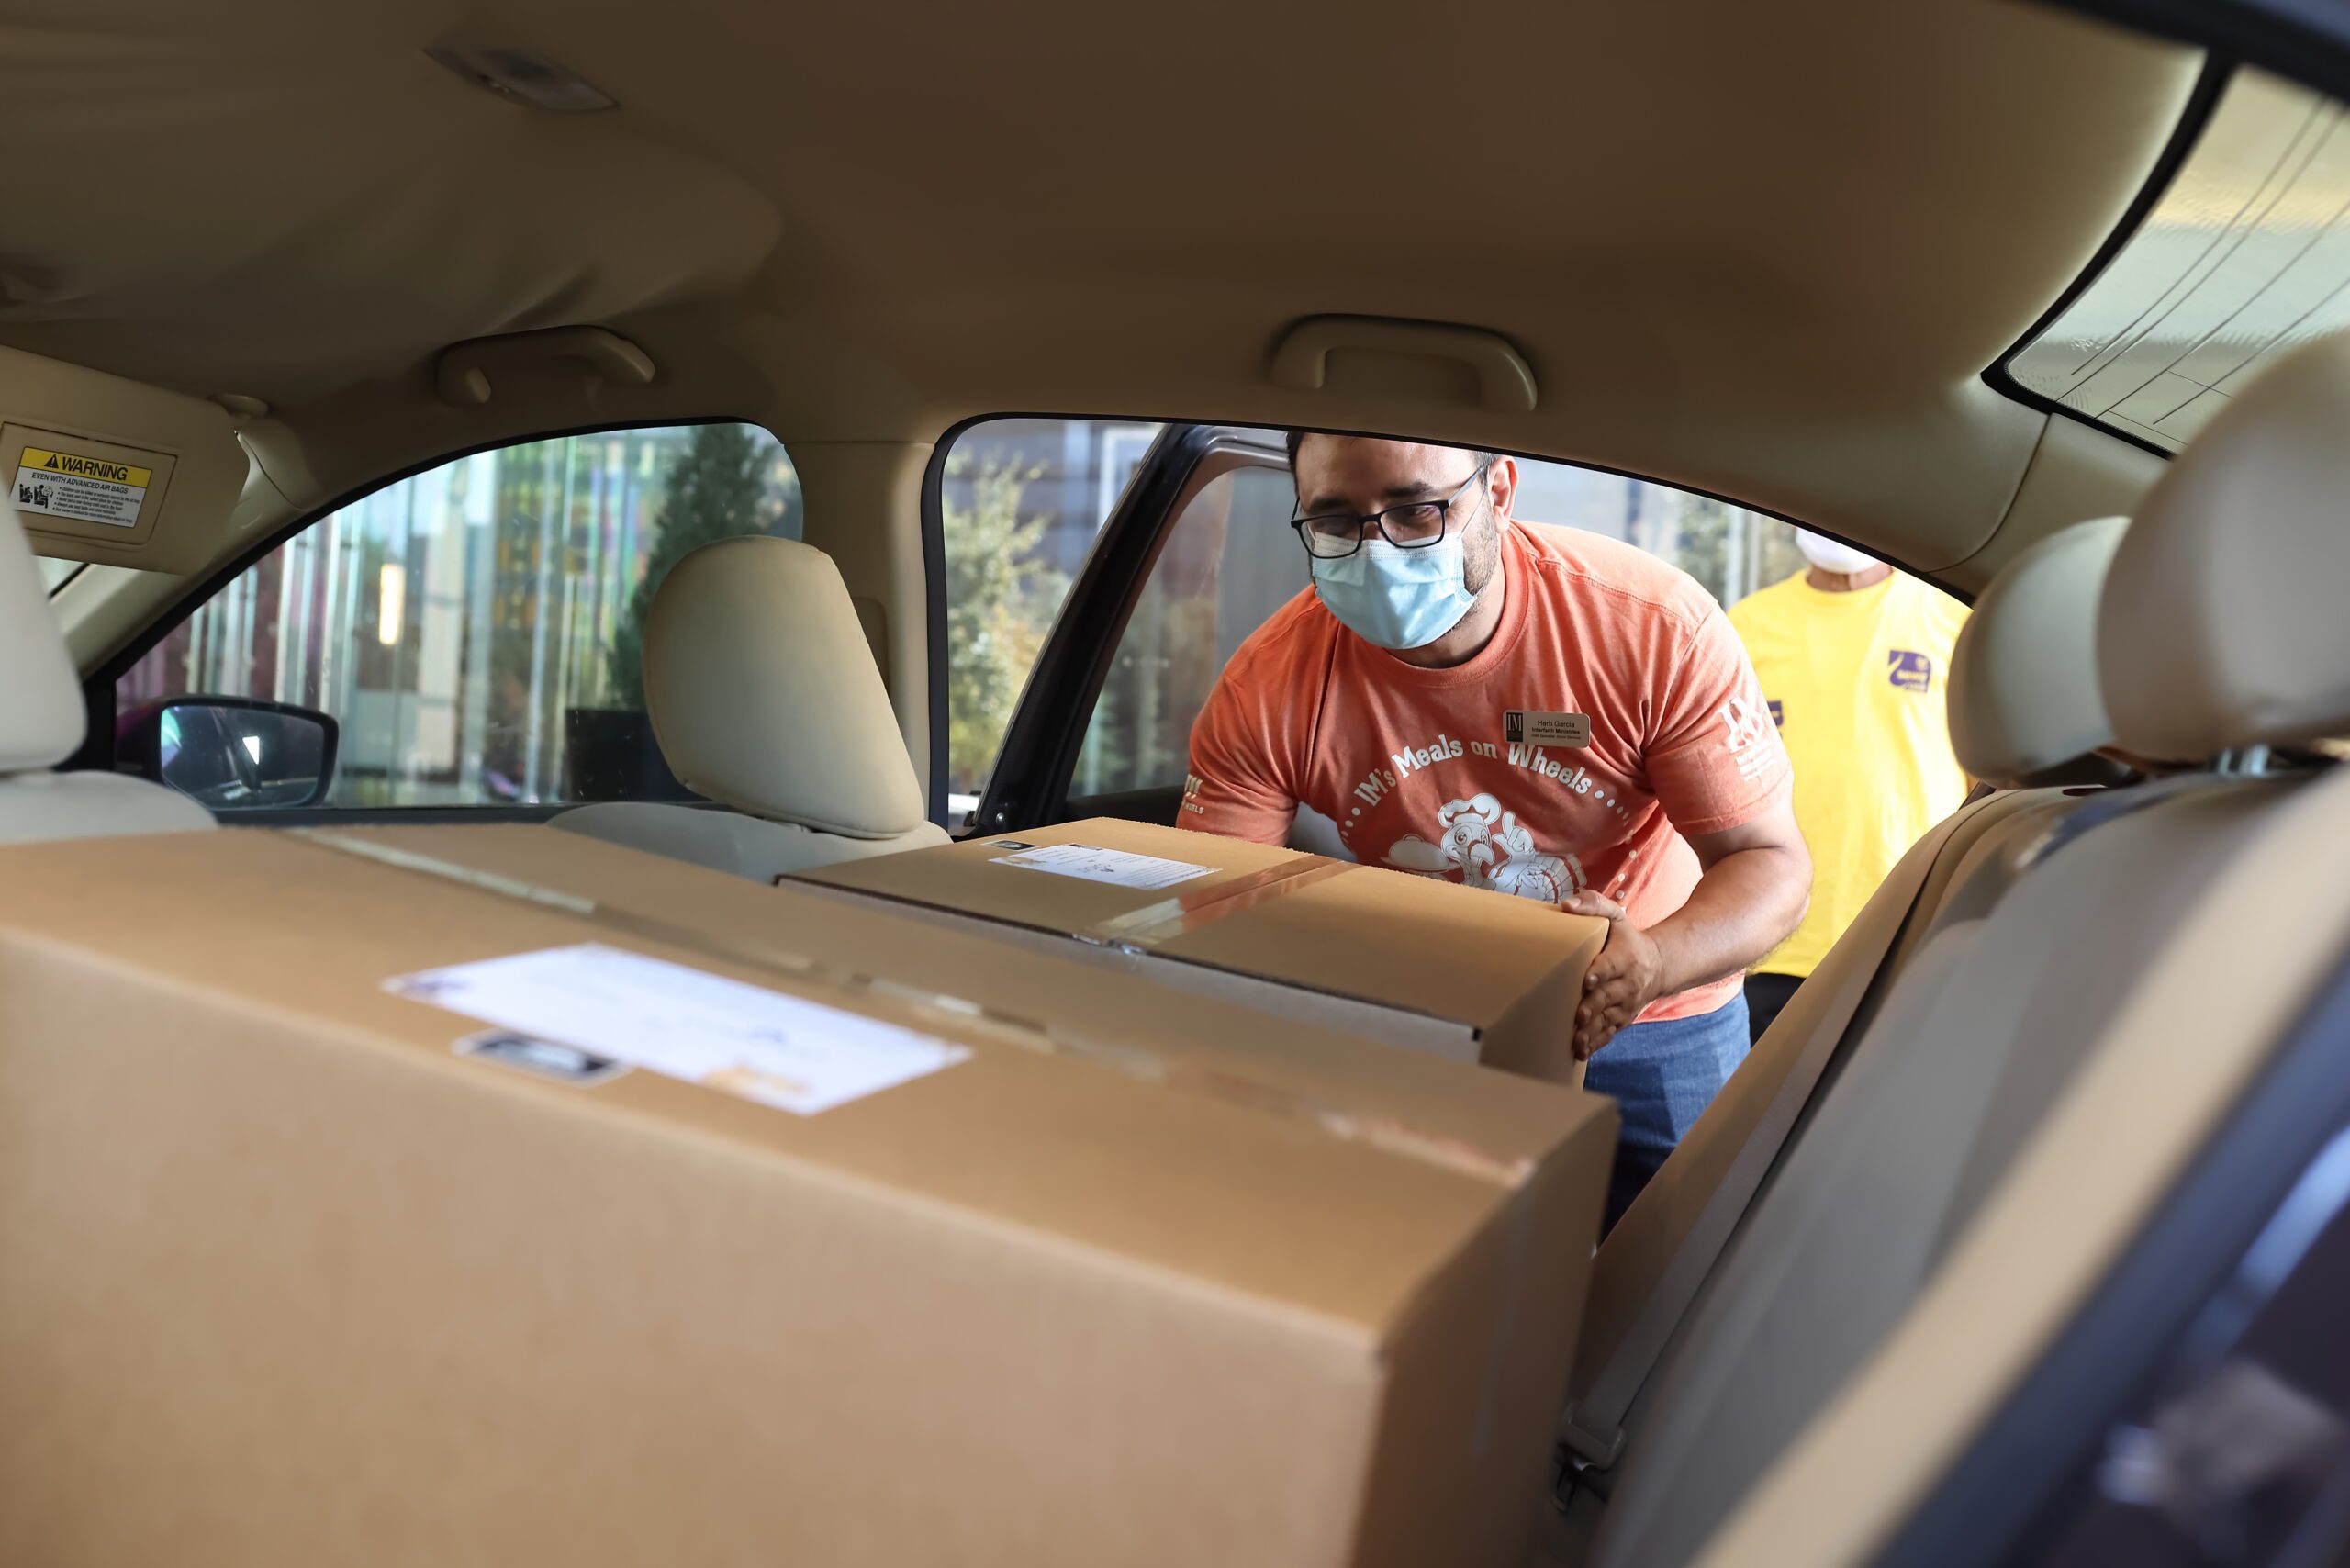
(1386,1133)
(1154,924)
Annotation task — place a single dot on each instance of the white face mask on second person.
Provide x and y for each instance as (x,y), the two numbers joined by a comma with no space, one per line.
(1829,555)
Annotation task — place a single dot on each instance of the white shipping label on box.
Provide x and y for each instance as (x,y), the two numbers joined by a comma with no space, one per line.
(87,489)
(780,1050)
(1119,867)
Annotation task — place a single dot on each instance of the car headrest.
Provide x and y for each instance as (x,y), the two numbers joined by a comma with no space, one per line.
(764,694)
(2024,687)
(42,717)
(2221,624)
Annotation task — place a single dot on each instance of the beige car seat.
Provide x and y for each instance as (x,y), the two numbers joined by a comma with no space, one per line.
(41,723)
(765,697)
(2023,700)
(2155,1123)
(2215,630)
(2023,681)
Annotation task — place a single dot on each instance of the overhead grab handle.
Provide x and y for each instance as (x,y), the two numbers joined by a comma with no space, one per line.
(1505,382)
(464,374)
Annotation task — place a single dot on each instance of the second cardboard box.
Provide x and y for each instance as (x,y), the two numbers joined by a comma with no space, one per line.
(1463,972)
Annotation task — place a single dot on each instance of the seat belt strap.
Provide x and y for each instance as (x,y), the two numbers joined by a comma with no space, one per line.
(1592,1428)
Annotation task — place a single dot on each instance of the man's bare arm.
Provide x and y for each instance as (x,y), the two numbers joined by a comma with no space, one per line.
(1754,890)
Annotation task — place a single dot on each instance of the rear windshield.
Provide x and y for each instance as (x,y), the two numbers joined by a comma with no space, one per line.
(2245,255)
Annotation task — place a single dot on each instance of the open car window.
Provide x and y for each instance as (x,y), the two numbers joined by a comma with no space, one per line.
(1023,506)
(1231,560)
(1020,502)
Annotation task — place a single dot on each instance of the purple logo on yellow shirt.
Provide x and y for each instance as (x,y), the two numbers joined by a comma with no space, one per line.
(1910,671)
(1778,713)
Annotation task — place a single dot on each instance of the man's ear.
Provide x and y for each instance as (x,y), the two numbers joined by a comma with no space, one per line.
(1501,480)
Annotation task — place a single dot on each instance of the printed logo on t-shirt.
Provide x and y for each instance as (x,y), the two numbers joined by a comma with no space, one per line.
(1192,787)
(1750,739)
(1479,844)
(1570,777)
(1910,671)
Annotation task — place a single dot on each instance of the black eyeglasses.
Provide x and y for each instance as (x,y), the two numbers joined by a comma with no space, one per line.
(1415,525)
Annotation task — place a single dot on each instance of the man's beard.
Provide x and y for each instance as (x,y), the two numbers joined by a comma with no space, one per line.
(1481,551)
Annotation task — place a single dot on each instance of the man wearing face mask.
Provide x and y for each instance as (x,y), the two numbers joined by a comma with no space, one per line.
(1535,711)
(1854,658)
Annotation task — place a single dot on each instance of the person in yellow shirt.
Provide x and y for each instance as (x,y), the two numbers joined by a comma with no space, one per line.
(1853,657)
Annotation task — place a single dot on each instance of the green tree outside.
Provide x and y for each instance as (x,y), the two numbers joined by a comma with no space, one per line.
(717,488)
(1001,601)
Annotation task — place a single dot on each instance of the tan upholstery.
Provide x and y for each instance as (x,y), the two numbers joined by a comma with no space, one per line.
(1687,1223)
(1969,1055)
(765,697)
(1783,324)
(2024,697)
(2024,688)
(2164,1061)
(2057,1048)
(2221,624)
(41,806)
(41,723)
(728,841)
(41,700)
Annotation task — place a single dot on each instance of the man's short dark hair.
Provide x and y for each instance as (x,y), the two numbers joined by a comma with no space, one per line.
(1297,438)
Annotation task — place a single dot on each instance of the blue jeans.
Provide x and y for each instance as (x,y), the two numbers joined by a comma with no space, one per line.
(1661,1077)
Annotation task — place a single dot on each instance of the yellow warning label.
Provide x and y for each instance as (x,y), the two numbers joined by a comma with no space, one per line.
(80,489)
(86,467)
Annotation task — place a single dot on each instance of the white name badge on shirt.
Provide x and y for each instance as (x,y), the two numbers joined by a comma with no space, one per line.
(1522,728)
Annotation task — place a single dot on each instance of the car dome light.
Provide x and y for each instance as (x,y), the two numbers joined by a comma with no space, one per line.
(523,77)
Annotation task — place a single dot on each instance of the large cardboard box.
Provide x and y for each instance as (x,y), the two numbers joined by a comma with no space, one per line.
(1409,960)
(387,1200)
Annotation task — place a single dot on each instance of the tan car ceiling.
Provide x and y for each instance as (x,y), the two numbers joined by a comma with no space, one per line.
(1763,248)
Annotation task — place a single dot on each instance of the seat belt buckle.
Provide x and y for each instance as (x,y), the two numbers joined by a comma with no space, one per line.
(1592,1450)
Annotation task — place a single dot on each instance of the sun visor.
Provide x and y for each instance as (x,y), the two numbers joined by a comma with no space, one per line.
(100,468)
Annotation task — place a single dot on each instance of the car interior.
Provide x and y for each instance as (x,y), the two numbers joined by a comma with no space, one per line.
(1959,1267)
(765,697)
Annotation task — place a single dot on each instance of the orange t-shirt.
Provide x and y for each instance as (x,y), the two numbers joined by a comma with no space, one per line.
(1613,707)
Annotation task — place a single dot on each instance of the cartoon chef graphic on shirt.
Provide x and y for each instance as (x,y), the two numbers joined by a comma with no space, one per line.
(1484,846)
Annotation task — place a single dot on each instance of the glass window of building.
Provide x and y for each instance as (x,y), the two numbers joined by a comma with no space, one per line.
(476,629)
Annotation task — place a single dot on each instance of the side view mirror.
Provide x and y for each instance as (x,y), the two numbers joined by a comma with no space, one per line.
(230,752)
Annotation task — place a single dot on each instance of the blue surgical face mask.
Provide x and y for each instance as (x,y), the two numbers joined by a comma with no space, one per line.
(1397,599)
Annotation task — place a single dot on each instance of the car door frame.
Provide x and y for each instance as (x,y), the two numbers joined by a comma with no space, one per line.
(1028,786)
